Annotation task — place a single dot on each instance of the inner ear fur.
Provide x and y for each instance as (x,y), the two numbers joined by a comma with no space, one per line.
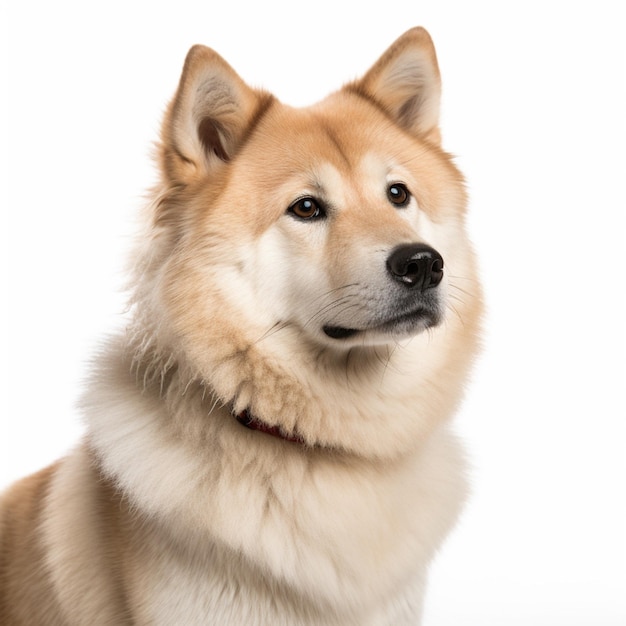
(208,118)
(405,82)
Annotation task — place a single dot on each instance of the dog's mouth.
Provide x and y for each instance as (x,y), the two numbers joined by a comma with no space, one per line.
(338,332)
(406,324)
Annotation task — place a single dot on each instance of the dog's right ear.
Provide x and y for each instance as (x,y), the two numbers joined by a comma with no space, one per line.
(208,117)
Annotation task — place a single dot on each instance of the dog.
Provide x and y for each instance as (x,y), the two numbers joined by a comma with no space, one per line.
(267,441)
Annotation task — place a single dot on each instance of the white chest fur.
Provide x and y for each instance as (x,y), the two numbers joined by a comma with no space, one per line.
(250,529)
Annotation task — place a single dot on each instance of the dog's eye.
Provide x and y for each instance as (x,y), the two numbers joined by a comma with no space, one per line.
(306,209)
(398,194)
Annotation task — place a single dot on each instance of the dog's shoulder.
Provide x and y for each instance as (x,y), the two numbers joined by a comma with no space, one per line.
(26,594)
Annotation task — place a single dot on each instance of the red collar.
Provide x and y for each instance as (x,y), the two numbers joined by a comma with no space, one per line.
(245,418)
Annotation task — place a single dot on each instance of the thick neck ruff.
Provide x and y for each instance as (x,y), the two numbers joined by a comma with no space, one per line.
(245,418)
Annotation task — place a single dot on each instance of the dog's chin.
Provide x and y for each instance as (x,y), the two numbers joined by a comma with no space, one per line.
(391,330)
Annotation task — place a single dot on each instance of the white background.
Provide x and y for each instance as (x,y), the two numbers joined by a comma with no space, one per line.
(534,108)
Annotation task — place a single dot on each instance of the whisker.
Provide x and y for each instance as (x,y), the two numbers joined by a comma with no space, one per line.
(452,308)
(338,289)
(348,299)
(470,278)
(329,307)
(459,299)
(467,293)
(386,363)
(332,304)
(272,330)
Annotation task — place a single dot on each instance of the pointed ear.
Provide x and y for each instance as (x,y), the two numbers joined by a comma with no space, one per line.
(405,82)
(208,118)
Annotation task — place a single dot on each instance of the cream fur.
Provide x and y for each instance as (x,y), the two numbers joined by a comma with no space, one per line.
(170,511)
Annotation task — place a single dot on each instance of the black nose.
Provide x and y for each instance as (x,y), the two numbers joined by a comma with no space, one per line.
(416,265)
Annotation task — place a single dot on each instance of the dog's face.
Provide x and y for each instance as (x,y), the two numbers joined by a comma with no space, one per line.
(339,221)
(345,215)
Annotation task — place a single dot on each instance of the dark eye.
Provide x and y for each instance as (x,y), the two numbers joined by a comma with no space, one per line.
(306,209)
(398,194)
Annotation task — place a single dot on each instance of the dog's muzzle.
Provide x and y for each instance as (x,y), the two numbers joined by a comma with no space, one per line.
(414,270)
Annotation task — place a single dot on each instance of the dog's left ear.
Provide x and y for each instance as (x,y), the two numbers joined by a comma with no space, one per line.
(405,82)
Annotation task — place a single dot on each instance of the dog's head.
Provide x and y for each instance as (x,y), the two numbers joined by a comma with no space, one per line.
(336,219)
(326,230)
